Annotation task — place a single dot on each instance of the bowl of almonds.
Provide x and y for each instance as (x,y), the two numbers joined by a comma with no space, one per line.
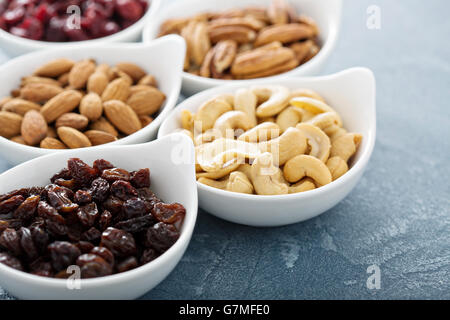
(245,40)
(79,97)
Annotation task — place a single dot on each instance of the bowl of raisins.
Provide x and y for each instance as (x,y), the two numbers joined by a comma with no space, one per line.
(76,226)
(35,24)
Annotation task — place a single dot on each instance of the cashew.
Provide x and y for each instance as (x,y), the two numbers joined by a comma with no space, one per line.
(262,132)
(245,100)
(334,132)
(266,119)
(318,141)
(228,97)
(267,179)
(303,92)
(314,106)
(337,167)
(187,120)
(303,185)
(187,132)
(307,166)
(246,169)
(210,111)
(236,182)
(291,143)
(232,120)
(218,174)
(289,117)
(219,184)
(278,98)
(324,120)
(345,146)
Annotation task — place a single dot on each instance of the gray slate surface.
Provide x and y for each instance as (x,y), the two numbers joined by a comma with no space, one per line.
(398,217)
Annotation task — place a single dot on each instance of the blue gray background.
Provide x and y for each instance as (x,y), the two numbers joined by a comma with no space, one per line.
(398,216)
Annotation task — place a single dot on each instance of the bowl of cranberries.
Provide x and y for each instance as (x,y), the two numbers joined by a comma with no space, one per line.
(97,224)
(28,25)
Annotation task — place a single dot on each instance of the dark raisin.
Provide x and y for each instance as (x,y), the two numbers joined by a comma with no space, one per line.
(113,205)
(38,191)
(161,236)
(59,198)
(105,220)
(105,254)
(88,214)
(28,208)
(15,224)
(10,204)
(168,213)
(27,244)
(147,194)
(40,238)
(136,225)
(99,190)
(141,178)
(84,246)
(119,242)
(100,165)
(92,235)
(82,173)
(63,174)
(123,190)
(134,207)
(63,254)
(127,264)
(69,184)
(74,232)
(56,228)
(148,255)
(10,240)
(10,261)
(82,197)
(41,267)
(93,266)
(116,174)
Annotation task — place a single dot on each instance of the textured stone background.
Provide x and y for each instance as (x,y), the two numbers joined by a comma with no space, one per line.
(398,216)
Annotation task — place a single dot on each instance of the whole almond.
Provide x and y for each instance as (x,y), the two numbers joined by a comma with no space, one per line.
(104,125)
(80,73)
(51,133)
(146,102)
(98,137)
(4,101)
(34,127)
(117,73)
(55,68)
(39,92)
(133,70)
(52,143)
(118,89)
(145,120)
(73,120)
(62,103)
(73,138)
(64,79)
(122,116)
(91,106)
(36,79)
(20,106)
(148,80)
(97,82)
(18,139)
(10,124)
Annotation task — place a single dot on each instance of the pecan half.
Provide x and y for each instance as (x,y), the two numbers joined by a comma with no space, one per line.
(248,22)
(237,33)
(285,33)
(278,12)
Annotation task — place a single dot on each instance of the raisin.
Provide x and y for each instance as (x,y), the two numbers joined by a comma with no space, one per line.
(63,254)
(69,184)
(113,205)
(10,240)
(91,235)
(41,267)
(82,197)
(59,198)
(101,165)
(88,214)
(75,232)
(56,228)
(93,266)
(84,246)
(161,236)
(99,190)
(10,261)
(168,213)
(123,190)
(40,238)
(105,254)
(10,204)
(134,207)
(127,264)
(27,244)
(148,255)
(63,174)
(105,220)
(141,178)
(148,195)
(116,174)
(46,211)
(82,173)
(27,209)
(136,225)
(119,242)
(15,224)
(38,191)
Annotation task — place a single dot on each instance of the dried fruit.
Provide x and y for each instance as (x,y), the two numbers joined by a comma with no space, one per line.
(119,242)
(63,254)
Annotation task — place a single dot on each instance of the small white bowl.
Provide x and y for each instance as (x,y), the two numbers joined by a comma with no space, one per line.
(172,181)
(326,13)
(163,58)
(15,46)
(352,94)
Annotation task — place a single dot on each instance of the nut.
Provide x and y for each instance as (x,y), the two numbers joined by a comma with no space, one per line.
(36,79)
(307,166)
(73,120)
(285,33)
(235,33)
(97,82)
(210,111)
(55,68)
(266,177)
(39,92)
(278,12)
(80,73)
(20,106)
(104,125)
(34,127)
(122,116)
(337,166)
(73,138)
(91,106)
(148,80)
(98,137)
(147,101)
(64,102)
(10,124)
(118,89)
(131,69)
(52,143)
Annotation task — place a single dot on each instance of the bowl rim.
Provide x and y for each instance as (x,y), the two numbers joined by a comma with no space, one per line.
(355,169)
(327,47)
(171,99)
(159,262)
(118,36)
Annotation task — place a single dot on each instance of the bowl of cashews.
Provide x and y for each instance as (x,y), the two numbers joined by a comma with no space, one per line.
(279,152)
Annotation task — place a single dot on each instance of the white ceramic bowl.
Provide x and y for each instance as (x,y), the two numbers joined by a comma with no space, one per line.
(327,14)
(352,94)
(163,58)
(14,45)
(172,181)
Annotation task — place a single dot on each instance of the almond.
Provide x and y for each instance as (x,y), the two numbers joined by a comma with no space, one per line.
(34,127)
(62,103)
(98,137)
(104,125)
(97,82)
(146,102)
(145,120)
(20,106)
(117,73)
(285,33)
(39,92)
(122,116)
(18,139)
(51,133)
(91,106)
(80,73)
(52,143)
(73,138)
(36,79)
(148,80)
(64,79)
(55,68)
(4,101)
(133,70)
(73,120)
(118,89)
(10,124)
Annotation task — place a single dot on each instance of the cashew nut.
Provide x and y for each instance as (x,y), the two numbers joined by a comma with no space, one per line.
(236,182)
(291,143)
(337,167)
(262,132)
(334,132)
(207,136)
(245,100)
(314,106)
(266,119)
(303,92)
(246,169)
(307,166)
(324,120)
(188,133)
(210,111)
(218,184)
(187,120)
(345,146)
(289,117)
(303,185)
(277,99)
(318,141)
(218,174)
(267,179)
(232,120)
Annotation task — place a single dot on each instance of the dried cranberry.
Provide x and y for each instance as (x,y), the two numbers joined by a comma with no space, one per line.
(127,264)
(82,197)
(87,214)
(161,236)
(10,240)
(82,173)
(14,15)
(168,213)
(99,189)
(55,30)
(141,178)
(129,10)
(28,208)
(119,242)
(63,254)
(10,261)
(115,174)
(10,204)
(123,190)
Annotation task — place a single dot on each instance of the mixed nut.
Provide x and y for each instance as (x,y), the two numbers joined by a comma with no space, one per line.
(68,104)
(103,219)
(247,43)
(269,140)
